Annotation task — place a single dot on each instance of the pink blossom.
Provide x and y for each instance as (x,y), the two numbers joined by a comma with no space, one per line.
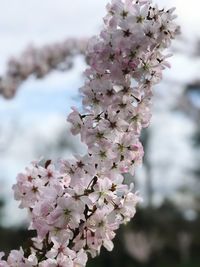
(77,205)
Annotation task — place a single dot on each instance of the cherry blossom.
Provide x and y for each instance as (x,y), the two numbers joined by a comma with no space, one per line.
(77,205)
(39,62)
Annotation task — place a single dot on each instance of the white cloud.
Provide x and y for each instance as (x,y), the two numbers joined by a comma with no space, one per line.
(45,21)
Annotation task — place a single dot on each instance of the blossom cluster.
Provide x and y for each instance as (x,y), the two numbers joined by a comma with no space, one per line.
(39,62)
(77,205)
